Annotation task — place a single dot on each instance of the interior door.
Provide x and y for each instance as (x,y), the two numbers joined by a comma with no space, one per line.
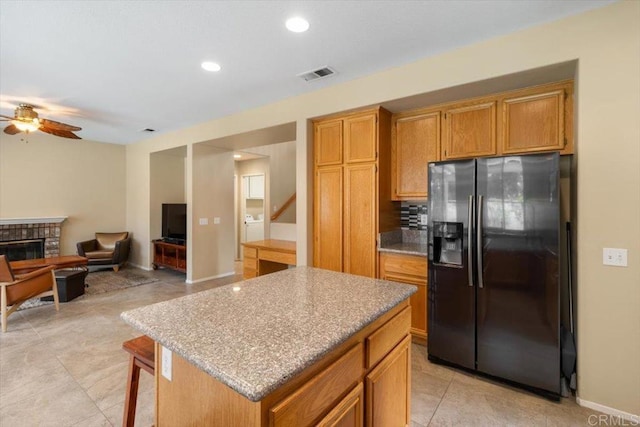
(518,290)
(451,294)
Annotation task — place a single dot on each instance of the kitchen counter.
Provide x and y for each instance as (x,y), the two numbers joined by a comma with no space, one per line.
(256,335)
(407,242)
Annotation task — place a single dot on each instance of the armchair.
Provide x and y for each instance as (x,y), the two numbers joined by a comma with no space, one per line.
(106,250)
(15,290)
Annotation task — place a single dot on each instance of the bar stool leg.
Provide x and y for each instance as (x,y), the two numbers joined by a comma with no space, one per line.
(131,398)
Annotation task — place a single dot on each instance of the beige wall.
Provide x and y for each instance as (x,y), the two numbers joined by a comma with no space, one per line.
(212,245)
(52,176)
(606,43)
(167,186)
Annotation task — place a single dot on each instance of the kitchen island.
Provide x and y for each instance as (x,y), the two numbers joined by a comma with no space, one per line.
(303,346)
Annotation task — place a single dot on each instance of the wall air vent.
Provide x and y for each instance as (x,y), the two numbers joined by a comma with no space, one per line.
(317,74)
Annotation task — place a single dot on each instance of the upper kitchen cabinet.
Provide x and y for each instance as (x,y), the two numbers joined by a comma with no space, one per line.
(415,141)
(254,187)
(352,198)
(360,138)
(534,120)
(328,143)
(469,131)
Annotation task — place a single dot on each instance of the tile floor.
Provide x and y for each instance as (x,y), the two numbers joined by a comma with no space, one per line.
(68,369)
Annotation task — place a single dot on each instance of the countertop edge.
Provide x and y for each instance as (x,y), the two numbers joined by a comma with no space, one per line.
(403,252)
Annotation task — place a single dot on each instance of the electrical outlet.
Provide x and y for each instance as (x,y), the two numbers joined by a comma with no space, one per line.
(423,219)
(166,362)
(614,256)
(216,220)
(204,221)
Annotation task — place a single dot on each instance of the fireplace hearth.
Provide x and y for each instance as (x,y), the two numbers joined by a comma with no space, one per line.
(18,250)
(45,229)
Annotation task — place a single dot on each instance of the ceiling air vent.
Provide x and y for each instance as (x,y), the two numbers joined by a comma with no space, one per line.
(317,74)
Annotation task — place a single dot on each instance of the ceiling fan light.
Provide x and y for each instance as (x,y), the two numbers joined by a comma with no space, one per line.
(27,126)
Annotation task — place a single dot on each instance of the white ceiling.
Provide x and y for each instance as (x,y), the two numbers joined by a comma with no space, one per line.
(117,67)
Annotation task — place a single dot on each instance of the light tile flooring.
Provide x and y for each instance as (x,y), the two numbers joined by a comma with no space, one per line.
(68,369)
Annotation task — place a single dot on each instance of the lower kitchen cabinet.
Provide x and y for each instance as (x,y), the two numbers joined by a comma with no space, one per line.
(388,389)
(381,361)
(410,269)
(349,412)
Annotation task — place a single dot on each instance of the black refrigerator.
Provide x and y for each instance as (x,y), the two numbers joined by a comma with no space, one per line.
(494,246)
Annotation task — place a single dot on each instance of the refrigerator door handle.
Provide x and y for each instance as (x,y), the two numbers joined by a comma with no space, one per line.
(469,240)
(479,241)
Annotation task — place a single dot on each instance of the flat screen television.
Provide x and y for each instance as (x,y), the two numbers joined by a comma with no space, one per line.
(174,222)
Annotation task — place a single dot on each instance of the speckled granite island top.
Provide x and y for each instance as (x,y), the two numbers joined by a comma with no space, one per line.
(257,334)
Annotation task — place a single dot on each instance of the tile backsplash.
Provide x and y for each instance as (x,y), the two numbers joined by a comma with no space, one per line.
(410,215)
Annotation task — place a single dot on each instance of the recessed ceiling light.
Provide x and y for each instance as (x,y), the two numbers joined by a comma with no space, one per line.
(297,24)
(210,66)
(237,156)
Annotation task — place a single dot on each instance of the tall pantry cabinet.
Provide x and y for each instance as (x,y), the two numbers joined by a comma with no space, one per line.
(352,190)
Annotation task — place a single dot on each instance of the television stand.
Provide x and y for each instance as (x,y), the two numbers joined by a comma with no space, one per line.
(174,241)
(169,255)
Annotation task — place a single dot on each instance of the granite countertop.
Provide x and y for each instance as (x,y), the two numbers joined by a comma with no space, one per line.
(407,242)
(255,335)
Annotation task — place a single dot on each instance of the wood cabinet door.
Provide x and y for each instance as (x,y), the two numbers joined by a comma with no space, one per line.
(328,143)
(360,138)
(533,123)
(412,270)
(360,219)
(470,131)
(416,142)
(388,389)
(349,412)
(418,303)
(327,218)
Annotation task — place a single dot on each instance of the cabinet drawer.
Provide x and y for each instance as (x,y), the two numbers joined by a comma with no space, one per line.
(405,265)
(250,263)
(349,412)
(249,273)
(319,394)
(249,252)
(387,336)
(276,256)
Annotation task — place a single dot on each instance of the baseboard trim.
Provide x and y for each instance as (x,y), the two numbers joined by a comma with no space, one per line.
(140,267)
(609,411)
(191,282)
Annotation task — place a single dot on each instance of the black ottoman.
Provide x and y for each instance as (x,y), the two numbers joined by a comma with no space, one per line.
(70,284)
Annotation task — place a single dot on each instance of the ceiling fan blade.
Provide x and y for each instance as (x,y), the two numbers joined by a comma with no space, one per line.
(52,124)
(12,130)
(6,117)
(59,132)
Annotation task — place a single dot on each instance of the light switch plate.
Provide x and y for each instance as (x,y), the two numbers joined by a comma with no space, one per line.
(204,221)
(423,219)
(216,220)
(614,256)
(166,362)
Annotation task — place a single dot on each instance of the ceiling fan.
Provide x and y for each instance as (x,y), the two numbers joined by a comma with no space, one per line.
(26,120)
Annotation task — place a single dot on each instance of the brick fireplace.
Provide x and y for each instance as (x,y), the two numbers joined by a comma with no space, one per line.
(21,229)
